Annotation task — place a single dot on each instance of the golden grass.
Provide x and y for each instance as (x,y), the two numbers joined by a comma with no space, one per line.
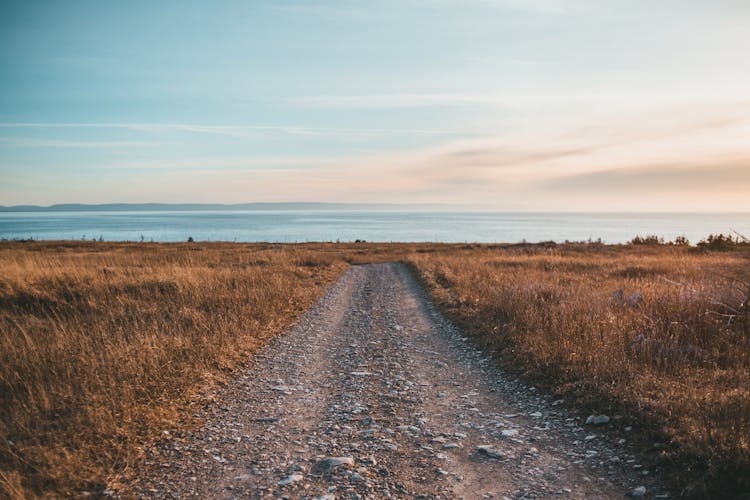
(677,364)
(100,343)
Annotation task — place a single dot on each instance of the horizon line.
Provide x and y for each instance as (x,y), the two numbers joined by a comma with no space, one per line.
(71,206)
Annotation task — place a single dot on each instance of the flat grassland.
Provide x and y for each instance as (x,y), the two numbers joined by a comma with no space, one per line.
(102,345)
(656,335)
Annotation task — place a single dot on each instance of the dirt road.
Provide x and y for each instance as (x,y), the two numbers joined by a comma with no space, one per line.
(374,395)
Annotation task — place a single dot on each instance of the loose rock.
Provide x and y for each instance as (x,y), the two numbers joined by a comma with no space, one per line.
(640,491)
(326,465)
(293,478)
(597,419)
(489,451)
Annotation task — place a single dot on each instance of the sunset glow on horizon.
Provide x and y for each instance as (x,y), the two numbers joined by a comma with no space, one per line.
(504,104)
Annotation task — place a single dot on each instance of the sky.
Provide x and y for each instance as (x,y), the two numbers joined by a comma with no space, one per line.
(570,105)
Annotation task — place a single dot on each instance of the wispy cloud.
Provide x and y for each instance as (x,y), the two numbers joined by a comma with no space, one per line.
(695,159)
(676,157)
(532,96)
(400,100)
(28,143)
(222,164)
(728,174)
(512,155)
(534,5)
(227,130)
(549,6)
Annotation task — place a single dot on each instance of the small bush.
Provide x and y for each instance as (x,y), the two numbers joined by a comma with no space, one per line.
(647,240)
(719,242)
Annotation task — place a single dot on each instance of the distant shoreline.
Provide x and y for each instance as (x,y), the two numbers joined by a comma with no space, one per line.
(289,223)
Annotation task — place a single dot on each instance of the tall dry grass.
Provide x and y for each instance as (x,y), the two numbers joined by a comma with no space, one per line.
(677,362)
(100,343)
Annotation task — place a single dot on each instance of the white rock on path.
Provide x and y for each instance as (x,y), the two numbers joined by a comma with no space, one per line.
(293,478)
(597,419)
(638,492)
(489,451)
(328,464)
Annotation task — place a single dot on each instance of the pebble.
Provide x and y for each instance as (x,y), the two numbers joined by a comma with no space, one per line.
(292,478)
(489,451)
(597,419)
(328,464)
(267,419)
(640,491)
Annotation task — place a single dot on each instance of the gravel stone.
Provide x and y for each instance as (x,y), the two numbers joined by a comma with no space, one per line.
(364,392)
(597,419)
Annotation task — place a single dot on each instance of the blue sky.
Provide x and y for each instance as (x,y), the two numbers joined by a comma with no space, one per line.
(510,104)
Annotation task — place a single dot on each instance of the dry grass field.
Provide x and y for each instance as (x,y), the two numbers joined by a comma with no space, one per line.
(672,360)
(101,343)
(102,346)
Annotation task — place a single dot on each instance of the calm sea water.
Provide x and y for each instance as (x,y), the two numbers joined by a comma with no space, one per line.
(384,226)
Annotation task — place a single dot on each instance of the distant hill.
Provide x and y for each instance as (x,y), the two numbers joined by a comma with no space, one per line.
(131,207)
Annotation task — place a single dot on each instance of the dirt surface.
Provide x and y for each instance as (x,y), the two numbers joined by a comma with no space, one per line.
(374,395)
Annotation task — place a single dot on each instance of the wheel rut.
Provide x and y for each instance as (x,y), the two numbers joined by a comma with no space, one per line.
(374,395)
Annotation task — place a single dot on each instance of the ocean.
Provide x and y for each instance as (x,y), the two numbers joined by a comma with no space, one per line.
(292,226)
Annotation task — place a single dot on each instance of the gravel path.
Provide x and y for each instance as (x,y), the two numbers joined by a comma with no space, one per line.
(374,395)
